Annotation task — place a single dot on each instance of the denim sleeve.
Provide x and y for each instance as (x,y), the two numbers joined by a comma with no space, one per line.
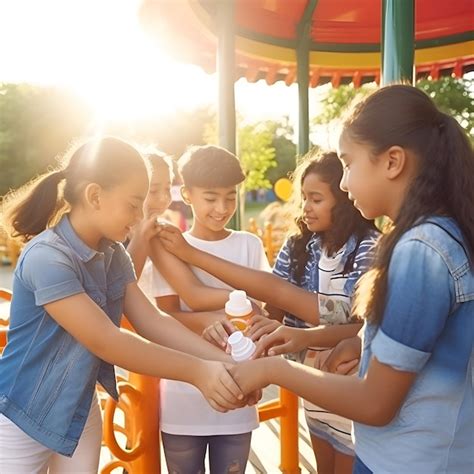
(420,297)
(362,262)
(49,274)
(282,266)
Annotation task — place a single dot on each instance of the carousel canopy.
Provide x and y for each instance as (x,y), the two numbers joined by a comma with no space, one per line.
(344,37)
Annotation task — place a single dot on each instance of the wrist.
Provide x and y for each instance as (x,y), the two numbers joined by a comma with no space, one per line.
(271,368)
(197,371)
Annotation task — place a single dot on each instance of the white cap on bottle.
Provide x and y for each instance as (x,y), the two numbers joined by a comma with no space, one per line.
(242,347)
(238,304)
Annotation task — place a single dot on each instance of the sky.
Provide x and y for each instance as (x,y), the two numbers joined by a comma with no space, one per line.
(97,49)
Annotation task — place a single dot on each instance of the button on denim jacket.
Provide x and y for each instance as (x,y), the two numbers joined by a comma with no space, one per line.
(47,378)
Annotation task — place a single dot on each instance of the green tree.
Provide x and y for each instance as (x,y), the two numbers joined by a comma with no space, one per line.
(452,95)
(255,150)
(285,149)
(35,124)
(257,155)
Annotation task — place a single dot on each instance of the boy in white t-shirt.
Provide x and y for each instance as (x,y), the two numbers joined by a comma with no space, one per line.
(210,176)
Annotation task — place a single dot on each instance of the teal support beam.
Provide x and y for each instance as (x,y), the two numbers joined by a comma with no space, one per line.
(226,78)
(302,70)
(398,40)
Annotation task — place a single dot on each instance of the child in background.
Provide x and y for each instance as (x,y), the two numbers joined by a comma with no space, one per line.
(412,406)
(210,176)
(72,283)
(327,254)
(155,206)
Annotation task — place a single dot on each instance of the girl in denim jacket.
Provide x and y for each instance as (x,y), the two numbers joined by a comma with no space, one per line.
(72,283)
(413,403)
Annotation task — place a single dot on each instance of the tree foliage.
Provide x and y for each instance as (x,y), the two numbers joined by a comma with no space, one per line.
(255,150)
(37,123)
(452,95)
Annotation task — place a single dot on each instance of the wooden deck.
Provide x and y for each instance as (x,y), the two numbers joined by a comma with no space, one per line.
(265,450)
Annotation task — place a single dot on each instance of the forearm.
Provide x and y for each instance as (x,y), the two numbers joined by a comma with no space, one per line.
(197,321)
(138,252)
(132,352)
(260,285)
(190,289)
(274,313)
(329,336)
(171,333)
(344,395)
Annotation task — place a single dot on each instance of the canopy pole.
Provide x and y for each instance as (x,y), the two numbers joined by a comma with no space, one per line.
(398,41)
(302,69)
(226,79)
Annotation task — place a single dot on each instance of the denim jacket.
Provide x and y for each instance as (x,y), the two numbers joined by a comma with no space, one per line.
(427,328)
(285,266)
(47,378)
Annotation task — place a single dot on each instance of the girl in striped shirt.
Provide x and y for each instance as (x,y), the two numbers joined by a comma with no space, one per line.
(327,253)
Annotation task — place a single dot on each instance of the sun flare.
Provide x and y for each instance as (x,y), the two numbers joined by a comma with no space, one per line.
(98,49)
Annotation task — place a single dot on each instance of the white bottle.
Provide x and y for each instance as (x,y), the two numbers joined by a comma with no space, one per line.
(242,347)
(239,309)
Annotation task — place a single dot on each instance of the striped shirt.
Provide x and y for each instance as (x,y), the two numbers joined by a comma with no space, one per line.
(317,262)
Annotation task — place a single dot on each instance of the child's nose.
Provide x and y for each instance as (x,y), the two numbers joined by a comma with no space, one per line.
(221,207)
(343,183)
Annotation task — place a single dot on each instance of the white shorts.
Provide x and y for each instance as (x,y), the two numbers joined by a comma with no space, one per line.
(20,454)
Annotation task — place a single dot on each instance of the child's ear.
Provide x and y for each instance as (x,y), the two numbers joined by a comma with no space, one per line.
(92,195)
(396,161)
(185,195)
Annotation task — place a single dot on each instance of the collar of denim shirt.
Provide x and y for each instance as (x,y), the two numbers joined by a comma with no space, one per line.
(314,245)
(83,251)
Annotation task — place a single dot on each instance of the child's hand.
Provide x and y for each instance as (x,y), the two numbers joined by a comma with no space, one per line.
(218,386)
(344,358)
(145,230)
(282,340)
(218,333)
(261,326)
(254,397)
(173,240)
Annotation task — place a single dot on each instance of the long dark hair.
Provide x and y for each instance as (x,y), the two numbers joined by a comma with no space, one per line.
(444,185)
(346,219)
(40,203)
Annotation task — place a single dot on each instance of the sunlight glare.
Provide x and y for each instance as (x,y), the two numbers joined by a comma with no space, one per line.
(97,49)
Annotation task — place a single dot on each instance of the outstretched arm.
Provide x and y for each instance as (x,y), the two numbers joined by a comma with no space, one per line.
(134,353)
(191,290)
(195,321)
(261,285)
(373,400)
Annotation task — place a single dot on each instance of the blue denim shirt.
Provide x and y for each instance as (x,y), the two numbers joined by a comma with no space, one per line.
(47,378)
(428,329)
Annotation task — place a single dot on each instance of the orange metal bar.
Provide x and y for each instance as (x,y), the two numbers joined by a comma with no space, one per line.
(286,408)
(139,401)
(4,295)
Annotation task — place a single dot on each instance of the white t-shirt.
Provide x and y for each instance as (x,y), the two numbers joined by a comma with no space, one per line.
(334,304)
(184,410)
(145,282)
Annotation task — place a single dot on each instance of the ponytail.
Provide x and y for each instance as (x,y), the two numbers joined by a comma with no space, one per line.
(34,207)
(456,150)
